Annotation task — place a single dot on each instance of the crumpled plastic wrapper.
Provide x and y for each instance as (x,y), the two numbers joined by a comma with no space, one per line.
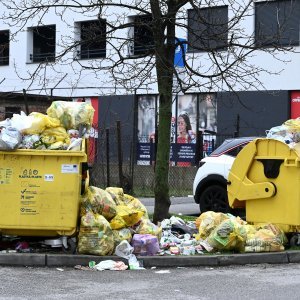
(10,138)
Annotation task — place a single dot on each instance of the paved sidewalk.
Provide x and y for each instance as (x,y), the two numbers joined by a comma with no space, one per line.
(69,260)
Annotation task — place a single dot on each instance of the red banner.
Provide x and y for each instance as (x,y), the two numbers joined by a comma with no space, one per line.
(94,101)
(295,104)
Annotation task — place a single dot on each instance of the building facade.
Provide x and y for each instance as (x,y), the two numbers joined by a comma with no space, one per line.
(42,60)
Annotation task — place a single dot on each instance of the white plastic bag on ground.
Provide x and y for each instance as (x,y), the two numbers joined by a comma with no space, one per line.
(124,250)
(111,265)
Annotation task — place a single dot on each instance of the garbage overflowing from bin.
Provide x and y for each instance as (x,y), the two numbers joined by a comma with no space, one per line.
(264,179)
(39,154)
(111,221)
(63,127)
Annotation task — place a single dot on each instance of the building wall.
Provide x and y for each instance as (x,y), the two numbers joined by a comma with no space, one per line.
(18,103)
(111,110)
(258,111)
(98,83)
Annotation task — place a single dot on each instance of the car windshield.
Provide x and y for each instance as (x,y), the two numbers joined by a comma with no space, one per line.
(232,146)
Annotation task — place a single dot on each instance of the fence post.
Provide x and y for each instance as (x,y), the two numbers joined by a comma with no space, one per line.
(134,139)
(237,126)
(107,158)
(199,147)
(151,151)
(119,145)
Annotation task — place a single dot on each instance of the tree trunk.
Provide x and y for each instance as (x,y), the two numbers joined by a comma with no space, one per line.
(165,49)
(161,190)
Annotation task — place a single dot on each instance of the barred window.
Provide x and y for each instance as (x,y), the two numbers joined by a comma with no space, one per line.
(277,23)
(93,39)
(208,29)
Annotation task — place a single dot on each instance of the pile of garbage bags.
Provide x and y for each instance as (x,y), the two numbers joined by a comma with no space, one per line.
(112,220)
(109,217)
(288,132)
(62,128)
(223,232)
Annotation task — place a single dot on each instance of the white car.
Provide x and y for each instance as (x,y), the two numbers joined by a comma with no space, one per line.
(210,183)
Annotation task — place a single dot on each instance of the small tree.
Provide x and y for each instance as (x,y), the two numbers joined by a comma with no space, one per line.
(221,50)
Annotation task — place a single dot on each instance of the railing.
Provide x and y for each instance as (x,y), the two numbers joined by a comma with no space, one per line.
(4,60)
(91,53)
(42,57)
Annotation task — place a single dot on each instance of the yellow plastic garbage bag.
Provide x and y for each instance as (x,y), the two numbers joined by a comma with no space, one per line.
(266,238)
(98,201)
(145,226)
(228,235)
(121,235)
(293,125)
(39,122)
(72,114)
(125,217)
(95,235)
(52,135)
(207,223)
(135,203)
(117,194)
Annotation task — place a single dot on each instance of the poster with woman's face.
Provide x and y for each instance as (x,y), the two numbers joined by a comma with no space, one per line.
(186,117)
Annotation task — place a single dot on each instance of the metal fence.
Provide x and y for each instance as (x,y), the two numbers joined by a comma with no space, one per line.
(115,160)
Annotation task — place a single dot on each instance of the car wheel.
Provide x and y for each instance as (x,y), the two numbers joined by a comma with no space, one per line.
(214,198)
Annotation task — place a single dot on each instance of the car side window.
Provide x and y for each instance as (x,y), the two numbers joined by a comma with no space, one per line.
(234,152)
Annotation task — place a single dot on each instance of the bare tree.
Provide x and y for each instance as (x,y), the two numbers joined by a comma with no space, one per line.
(220,51)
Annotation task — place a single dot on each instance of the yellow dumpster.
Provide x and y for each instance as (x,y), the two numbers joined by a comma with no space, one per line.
(265,179)
(40,191)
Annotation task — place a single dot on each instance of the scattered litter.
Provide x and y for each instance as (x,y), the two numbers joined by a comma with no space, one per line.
(84,268)
(60,269)
(92,264)
(163,272)
(111,265)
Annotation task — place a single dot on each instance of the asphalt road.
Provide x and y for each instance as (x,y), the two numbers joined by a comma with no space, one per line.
(274,282)
(179,205)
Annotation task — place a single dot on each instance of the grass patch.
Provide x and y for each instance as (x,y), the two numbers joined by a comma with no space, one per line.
(149,192)
(183,217)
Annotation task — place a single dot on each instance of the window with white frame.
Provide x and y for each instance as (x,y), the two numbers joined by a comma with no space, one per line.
(208,29)
(42,42)
(92,42)
(4,47)
(277,23)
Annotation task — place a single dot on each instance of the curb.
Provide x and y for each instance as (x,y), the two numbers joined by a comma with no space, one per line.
(71,260)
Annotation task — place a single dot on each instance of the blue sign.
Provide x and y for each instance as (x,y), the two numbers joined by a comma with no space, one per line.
(179,53)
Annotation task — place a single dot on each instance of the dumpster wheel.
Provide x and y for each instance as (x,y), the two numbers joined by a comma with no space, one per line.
(71,246)
(294,240)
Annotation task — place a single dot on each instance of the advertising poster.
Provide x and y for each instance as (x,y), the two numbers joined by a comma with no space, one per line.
(147,107)
(208,121)
(188,112)
(185,146)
